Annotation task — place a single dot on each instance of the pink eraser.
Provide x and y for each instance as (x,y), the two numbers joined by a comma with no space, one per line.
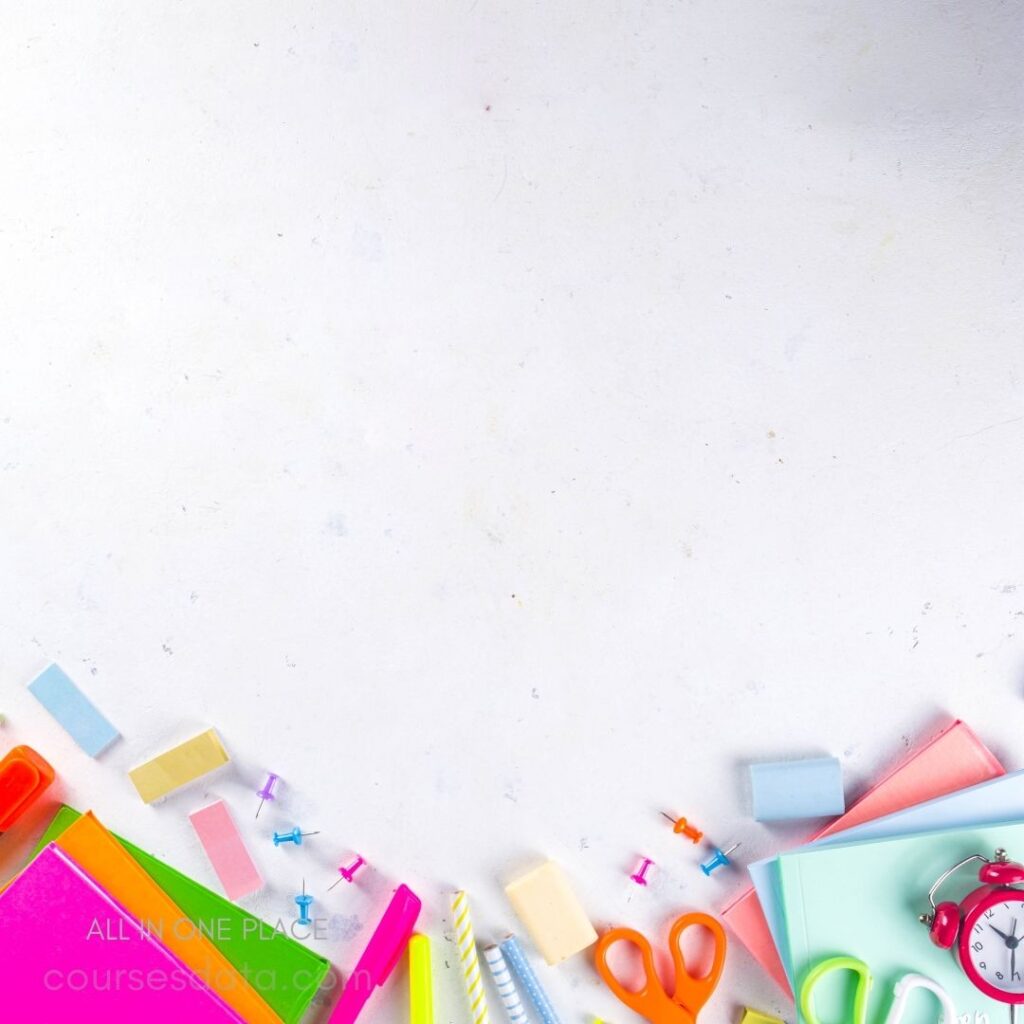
(223,845)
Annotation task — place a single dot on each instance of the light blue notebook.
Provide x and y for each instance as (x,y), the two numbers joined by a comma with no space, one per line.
(1000,799)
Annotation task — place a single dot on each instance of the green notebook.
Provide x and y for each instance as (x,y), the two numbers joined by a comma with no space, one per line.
(863,899)
(284,972)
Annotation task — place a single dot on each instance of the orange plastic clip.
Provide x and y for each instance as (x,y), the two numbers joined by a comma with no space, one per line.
(23,777)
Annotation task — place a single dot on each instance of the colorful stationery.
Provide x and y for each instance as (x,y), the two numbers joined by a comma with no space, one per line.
(508,993)
(223,844)
(756,1017)
(98,853)
(515,955)
(544,901)
(789,790)
(864,899)
(857,1013)
(469,962)
(57,692)
(285,972)
(380,956)
(1000,799)
(421,982)
(24,777)
(178,766)
(953,759)
(70,953)
(688,992)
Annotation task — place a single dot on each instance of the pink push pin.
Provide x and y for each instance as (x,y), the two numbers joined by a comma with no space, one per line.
(348,873)
(267,792)
(640,875)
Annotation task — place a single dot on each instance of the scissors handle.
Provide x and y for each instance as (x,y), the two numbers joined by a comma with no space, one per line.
(860,994)
(650,1000)
(693,991)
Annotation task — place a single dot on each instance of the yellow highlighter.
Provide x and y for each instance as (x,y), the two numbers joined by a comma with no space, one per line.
(421,985)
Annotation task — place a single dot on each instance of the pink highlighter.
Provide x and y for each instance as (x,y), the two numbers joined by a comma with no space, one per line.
(380,956)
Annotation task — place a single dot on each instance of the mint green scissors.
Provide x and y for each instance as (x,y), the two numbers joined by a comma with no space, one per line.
(858,1012)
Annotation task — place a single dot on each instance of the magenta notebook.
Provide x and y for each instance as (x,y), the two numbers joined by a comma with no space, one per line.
(70,953)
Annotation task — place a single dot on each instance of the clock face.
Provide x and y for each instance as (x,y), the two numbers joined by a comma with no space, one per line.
(992,945)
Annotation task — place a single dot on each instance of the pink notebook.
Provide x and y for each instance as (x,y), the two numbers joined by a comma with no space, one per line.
(70,953)
(955,759)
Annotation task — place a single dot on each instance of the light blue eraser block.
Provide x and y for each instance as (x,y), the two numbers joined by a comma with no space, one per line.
(789,790)
(73,710)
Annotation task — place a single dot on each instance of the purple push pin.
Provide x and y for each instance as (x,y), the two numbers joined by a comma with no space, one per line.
(640,875)
(348,873)
(267,792)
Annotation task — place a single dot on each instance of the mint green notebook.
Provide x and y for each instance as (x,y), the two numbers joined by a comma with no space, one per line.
(284,972)
(863,899)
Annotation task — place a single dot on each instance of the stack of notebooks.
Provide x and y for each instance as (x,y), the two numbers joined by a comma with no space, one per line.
(857,889)
(96,930)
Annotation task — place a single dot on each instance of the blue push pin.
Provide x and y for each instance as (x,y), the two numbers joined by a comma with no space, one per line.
(720,859)
(295,836)
(304,903)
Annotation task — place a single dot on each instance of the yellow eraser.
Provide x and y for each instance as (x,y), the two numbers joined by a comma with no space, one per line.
(181,764)
(755,1017)
(550,912)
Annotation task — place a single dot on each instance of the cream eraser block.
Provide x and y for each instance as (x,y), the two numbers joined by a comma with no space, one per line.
(179,765)
(550,912)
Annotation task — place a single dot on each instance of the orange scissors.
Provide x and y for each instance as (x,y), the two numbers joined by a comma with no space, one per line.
(651,1000)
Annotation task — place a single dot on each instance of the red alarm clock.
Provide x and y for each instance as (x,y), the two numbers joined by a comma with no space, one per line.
(986,927)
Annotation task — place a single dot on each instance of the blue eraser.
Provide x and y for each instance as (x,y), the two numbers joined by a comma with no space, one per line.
(788,790)
(73,710)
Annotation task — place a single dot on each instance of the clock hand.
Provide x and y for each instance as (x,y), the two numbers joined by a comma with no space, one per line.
(1006,938)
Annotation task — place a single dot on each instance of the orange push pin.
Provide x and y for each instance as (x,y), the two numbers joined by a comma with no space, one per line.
(682,827)
(23,777)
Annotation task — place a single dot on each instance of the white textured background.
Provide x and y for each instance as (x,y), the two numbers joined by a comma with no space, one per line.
(505,419)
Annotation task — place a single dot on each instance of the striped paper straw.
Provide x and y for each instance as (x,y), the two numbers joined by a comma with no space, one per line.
(524,972)
(506,986)
(466,944)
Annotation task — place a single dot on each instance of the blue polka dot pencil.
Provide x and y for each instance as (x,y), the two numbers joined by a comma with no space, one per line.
(506,986)
(516,958)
